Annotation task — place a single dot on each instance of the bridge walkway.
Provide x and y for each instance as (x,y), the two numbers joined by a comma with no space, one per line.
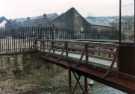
(89,60)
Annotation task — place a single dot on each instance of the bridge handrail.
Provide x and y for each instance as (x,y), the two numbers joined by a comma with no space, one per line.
(111,43)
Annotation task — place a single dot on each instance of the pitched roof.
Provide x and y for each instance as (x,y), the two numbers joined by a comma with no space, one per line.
(32,21)
(41,20)
(70,19)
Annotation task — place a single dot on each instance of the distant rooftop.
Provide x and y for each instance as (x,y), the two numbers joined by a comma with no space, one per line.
(105,21)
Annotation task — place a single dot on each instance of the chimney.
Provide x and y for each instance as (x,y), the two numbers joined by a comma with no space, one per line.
(44,15)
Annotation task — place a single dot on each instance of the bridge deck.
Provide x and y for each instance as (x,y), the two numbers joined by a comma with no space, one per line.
(56,52)
(92,59)
(115,79)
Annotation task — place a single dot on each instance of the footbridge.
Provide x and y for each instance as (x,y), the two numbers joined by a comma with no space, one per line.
(94,59)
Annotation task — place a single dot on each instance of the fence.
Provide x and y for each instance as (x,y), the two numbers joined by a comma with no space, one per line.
(26,38)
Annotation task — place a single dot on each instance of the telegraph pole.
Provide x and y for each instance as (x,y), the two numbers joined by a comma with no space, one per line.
(120,14)
(134,21)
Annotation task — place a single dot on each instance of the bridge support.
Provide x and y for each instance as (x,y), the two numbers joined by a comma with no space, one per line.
(86,85)
(73,88)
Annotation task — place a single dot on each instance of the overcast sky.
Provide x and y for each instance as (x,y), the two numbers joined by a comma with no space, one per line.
(25,8)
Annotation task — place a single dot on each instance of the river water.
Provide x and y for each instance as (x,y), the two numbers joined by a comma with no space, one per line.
(99,88)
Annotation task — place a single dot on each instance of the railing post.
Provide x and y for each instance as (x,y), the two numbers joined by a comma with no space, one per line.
(99,51)
(110,54)
(86,53)
(52,45)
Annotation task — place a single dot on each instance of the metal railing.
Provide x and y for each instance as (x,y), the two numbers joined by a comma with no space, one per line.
(27,38)
(95,50)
